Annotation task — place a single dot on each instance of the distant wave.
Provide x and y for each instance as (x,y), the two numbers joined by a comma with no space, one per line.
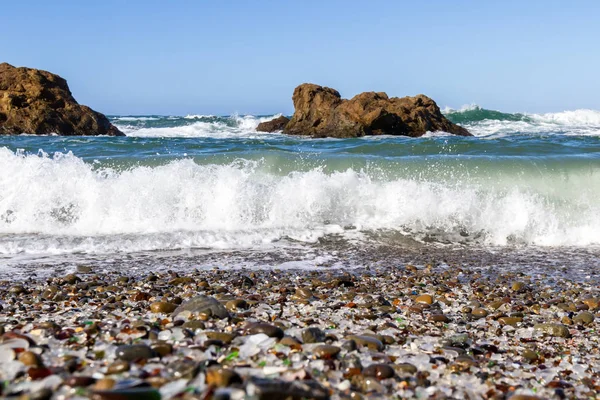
(484,122)
(480,121)
(193,126)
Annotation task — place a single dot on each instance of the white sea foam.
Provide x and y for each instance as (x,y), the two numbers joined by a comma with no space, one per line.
(584,122)
(229,127)
(60,204)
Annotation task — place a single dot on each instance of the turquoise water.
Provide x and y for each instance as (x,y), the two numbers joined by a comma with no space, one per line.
(214,183)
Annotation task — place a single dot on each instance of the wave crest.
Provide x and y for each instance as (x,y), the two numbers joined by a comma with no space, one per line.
(61,204)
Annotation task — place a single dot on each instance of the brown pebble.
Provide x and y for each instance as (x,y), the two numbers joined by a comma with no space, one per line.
(439,318)
(37,373)
(479,313)
(222,377)
(584,318)
(513,321)
(592,303)
(163,349)
(104,384)
(236,305)
(556,330)
(80,381)
(162,307)
(379,371)
(290,341)
(118,367)
(424,299)
(267,329)
(326,351)
(30,359)
(222,336)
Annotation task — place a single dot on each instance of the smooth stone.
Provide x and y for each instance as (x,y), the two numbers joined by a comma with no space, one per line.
(118,367)
(302,294)
(267,329)
(479,313)
(523,397)
(379,371)
(17,289)
(181,281)
(194,325)
(405,368)
(30,359)
(424,299)
(370,342)
(222,336)
(494,305)
(184,369)
(203,304)
(80,381)
(584,318)
(235,305)
(557,330)
(38,373)
(530,355)
(290,341)
(326,351)
(439,318)
(162,307)
(592,303)
(517,286)
(222,377)
(513,321)
(313,335)
(71,279)
(163,349)
(134,352)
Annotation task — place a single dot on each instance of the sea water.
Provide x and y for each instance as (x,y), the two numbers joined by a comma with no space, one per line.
(205,191)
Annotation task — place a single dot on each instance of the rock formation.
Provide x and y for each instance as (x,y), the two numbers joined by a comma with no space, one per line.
(321,112)
(39,102)
(273,125)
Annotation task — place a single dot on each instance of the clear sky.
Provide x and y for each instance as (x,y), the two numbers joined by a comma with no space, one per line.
(219,57)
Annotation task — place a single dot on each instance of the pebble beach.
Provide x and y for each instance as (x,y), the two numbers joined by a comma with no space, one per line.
(428,332)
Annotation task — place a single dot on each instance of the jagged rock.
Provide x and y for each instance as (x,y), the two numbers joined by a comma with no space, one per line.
(321,112)
(274,125)
(39,102)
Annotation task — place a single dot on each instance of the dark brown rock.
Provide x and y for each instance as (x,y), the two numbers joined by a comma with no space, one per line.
(274,125)
(379,371)
(321,112)
(267,329)
(39,102)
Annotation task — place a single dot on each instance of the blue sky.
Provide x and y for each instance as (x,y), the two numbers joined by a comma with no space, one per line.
(180,57)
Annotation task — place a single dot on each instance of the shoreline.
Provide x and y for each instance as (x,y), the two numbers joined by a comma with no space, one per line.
(371,332)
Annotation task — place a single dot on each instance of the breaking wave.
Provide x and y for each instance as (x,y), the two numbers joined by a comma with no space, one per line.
(192,126)
(61,204)
(484,122)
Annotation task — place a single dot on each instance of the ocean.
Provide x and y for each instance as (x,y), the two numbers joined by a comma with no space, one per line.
(203,191)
